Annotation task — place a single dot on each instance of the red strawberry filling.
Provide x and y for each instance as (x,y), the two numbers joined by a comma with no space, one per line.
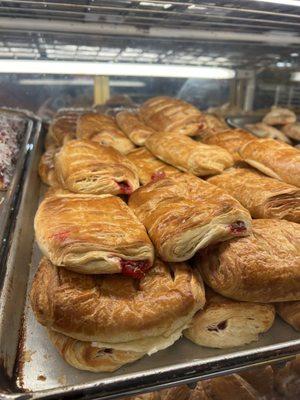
(61,236)
(135,269)
(156,176)
(125,188)
(238,227)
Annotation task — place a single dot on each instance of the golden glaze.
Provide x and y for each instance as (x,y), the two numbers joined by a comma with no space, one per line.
(114,309)
(230,140)
(167,114)
(83,166)
(264,197)
(148,166)
(46,167)
(133,127)
(263,267)
(103,129)
(85,356)
(183,214)
(188,155)
(289,311)
(225,323)
(273,158)
(89,233)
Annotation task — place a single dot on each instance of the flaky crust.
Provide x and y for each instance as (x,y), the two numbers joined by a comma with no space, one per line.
(61,130)
(292,130)
(86,357)
(273,158)
(213,124)
(183,214)
(289,311)
(46,167)
(225,323)
(133,127)
(167,114)
(113,311)
(263,267)
(230,140)
(261,379)
(287,379)
(279,116)
(90,234)
(148,166)
(83,166)
(266,131)
(103,129)
(264,197)
(186,154)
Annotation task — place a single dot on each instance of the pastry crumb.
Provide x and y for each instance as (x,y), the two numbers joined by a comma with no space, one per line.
(41,378)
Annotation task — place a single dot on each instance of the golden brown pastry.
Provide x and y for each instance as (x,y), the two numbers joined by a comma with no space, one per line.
(264,197)
(46,167)
(186,154)
(89,357)
(279,116)
(103,129)
(278,160)
(116,312)
(289,311)
(198,393)
(183,214)
(149,168)
(83,166)
(263,267)
(61,130)
(213,124)
(92,234)
(167,114)
(230,140)
(266,131)
(225,323)
(292,130)
(287,380)
(261,379)
(133,127)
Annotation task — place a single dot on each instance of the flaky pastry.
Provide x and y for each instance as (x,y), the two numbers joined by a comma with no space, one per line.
(279,116)
(262,130)
(133,127)
(61,130)
(46,167)
(289,311)
(292,130)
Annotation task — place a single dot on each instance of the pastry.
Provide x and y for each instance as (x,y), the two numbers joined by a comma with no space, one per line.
(266,131)
(89,357)
(292,130)
(225,323)
(181,392)
(46,167)
(167,114)
(263,267)
(117,312)
(264,197)
(261,378)
(289,311)
(198,393)
(213,124)
(188,155)
(103,129)
(287,380)
(279,116)
(230,140)
(133,127)
(149,168)
(83,166)
(183,214)
(92,234)
(61,130)
(273,158)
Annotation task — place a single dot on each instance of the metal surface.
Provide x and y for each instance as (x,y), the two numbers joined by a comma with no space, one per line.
(8,198)
(41,373)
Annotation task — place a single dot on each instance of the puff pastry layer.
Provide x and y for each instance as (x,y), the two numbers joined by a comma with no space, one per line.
(149,168)
(278,160)
(279,116)
(292,130)
(188,155)
(61,130)
(264,197)
(266,131)
(167,114)
(183,214)
(289,311)
(133,127)
(103,129)
(263,267)
(230,140)
(83,166)
(113,311)
(46,167)
(92,234)
(85,356)
(227,323)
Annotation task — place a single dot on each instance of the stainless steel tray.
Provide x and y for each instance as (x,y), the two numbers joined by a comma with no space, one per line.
(32,369)
(8,198)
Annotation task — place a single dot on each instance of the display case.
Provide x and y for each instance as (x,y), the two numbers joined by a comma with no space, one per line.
(233,58)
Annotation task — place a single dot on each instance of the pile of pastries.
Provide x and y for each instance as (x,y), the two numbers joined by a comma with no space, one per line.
(148,234)
(262,383)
